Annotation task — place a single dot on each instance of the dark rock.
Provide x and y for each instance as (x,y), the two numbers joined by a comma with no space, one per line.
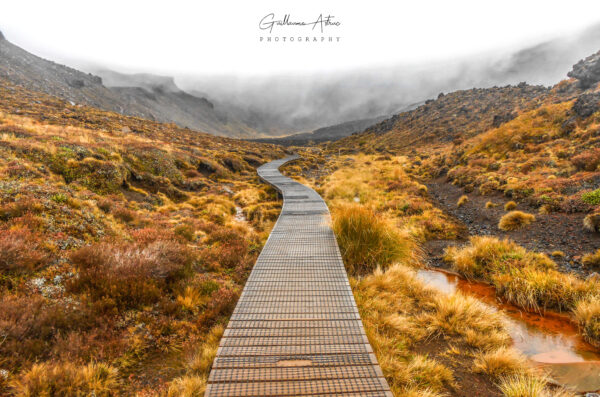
(568,126)
(587,104)
(76,83)
(587,71)
(2,36)
(500,119)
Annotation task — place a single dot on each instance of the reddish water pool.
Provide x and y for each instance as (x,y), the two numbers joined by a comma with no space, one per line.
(550,341)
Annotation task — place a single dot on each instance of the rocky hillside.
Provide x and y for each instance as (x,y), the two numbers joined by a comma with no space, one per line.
(151,97)
(448,118)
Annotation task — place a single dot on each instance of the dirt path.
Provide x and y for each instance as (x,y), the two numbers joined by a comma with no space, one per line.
(551,232)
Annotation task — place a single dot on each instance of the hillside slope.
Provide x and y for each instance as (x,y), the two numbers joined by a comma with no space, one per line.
(151,97)
(124,244)
(450,117)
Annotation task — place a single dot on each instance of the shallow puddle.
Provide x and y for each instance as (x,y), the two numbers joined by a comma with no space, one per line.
(551,341)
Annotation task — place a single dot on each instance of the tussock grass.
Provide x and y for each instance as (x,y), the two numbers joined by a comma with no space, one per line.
(510,206)
(367,240)
(398,311)
(464,199)
(515,220)
(528,279)
(592,260)
(187,386)
(500,362)
(529,386)
(201,361)
(587,314)
(592,222)
(490,204)
(67,379)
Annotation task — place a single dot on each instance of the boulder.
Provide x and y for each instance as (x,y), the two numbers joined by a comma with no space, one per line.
(587,104)
(587,71)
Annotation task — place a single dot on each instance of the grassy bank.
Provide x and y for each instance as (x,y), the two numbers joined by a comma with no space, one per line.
(427,343)
(530,280)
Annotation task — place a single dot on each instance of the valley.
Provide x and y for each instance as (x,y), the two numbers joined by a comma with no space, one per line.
(131,216)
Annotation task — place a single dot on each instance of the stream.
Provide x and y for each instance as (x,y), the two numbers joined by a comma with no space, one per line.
(551,342)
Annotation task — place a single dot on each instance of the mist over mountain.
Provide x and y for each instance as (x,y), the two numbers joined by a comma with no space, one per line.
(282,105)
(143,95)
(307,102)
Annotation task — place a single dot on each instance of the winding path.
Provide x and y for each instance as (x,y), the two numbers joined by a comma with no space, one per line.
(296,330)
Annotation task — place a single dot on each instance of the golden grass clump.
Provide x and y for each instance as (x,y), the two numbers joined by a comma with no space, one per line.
(592,222)
(187,386)
(511,205)
(464,199)
(587,314)
(67,379)
(399,311)
(557,254)
(486,256)
(367,240)
(527,385)
(515,220)
(201,361)
(527,279)
(500,362)
(490,204)
(592,260)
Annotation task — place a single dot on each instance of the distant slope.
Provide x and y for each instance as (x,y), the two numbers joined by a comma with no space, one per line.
(330,133)
(151,97)
(166,101)
(448,118)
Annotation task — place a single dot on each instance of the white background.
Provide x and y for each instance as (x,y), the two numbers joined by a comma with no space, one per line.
(221,37)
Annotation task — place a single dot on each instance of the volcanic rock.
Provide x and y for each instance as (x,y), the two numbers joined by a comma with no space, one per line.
(587,71)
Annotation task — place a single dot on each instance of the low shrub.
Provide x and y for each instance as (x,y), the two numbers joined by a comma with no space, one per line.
(367,240)
(30,324)
(511,205)
(464,199)
(105,205)
(227,248)
(132,274)
(67,379)
(588,160)
(186,232)
(20,251)
(124,214)
(592,198)
(515,220)
(20,208)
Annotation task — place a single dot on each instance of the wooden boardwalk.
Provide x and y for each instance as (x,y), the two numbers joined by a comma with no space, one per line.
(296,330)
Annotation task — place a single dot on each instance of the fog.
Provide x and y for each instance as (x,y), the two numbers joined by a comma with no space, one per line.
(303,102)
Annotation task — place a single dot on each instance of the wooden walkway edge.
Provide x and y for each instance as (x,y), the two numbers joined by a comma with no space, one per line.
(296,330)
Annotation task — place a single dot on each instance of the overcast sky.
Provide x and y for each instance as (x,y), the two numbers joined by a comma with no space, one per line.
(222,37)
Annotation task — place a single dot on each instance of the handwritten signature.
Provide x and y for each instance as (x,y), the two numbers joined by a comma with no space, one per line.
(269,22)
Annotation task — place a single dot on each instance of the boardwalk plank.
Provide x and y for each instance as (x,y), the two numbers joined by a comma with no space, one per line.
(296,330)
